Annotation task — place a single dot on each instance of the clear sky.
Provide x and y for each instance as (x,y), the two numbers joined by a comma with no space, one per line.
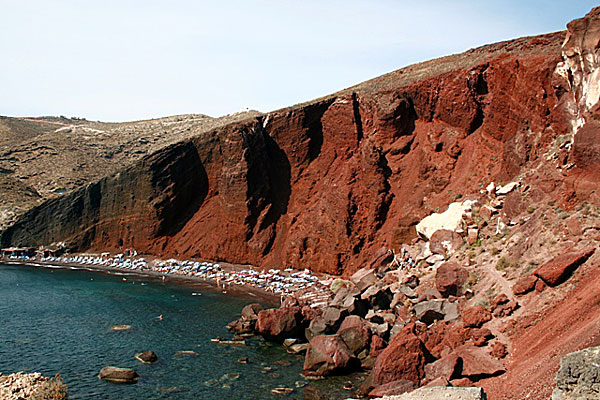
(126,60)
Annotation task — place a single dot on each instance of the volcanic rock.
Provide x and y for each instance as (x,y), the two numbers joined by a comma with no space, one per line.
(250,311)
(327,354)
(451,219)
(278,324)
(445,242)
(442,368)
(450,278)
(404,358)
(560,268)
(363,278)
(393,388)
(524,285)
(118,375)
(477,363)
(354,331)
(435,310)
(498,350)
(475,316)
(147,357)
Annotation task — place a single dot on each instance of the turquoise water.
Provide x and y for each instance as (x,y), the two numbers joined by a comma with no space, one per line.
(59,321)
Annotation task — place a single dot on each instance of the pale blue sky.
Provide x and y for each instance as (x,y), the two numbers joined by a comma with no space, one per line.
(126,60)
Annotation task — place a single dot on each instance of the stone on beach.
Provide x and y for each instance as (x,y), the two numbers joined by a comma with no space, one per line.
(118,375)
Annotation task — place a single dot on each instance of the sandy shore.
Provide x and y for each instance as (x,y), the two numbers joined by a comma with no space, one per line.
(193,282)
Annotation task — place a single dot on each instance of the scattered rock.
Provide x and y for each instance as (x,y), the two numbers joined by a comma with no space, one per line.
(118,375)
(147,357)
(480,336)
(560,268)
(243,360)
(282,390)
(524,285)
(475,316)
(299,348)
(121,328)
(498,350)
(185,353)
(250,311)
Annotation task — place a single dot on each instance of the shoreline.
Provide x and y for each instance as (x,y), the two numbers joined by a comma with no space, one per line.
(247,291)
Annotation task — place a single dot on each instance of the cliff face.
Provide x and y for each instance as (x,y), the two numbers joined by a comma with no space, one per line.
(325,184)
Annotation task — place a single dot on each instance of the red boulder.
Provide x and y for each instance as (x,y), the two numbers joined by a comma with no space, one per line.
(404,358)
(279,323)
(327,354)
(475,316)
(524,285)
(560,268)
(354,331)
(393,388)
(449,278)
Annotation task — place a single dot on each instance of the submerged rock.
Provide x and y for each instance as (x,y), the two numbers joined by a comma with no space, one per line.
(147,357)
(118,375)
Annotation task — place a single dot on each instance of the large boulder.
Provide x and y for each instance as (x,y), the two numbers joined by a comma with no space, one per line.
(435,310)
(381,259)
(278,324)
(118,375)
(450,278)
(363,278)
(348,299)
(326,355)
(445,241)
(560,268)
(578,376)
(404,358)
(354,331)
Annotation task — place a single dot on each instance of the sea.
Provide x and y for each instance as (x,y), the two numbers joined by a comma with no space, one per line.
(55,320)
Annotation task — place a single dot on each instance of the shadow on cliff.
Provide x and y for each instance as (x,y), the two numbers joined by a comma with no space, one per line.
(181,180)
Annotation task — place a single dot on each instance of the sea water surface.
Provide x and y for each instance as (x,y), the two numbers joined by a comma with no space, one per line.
(59,321)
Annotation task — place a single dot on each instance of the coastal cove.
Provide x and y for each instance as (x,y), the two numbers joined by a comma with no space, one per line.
(57,320)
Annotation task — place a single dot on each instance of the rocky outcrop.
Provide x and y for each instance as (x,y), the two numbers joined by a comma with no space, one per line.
(20,386)
(578,376)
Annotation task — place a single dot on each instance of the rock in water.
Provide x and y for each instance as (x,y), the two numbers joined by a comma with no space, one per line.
(147,357)
(118,375)
(578,376)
